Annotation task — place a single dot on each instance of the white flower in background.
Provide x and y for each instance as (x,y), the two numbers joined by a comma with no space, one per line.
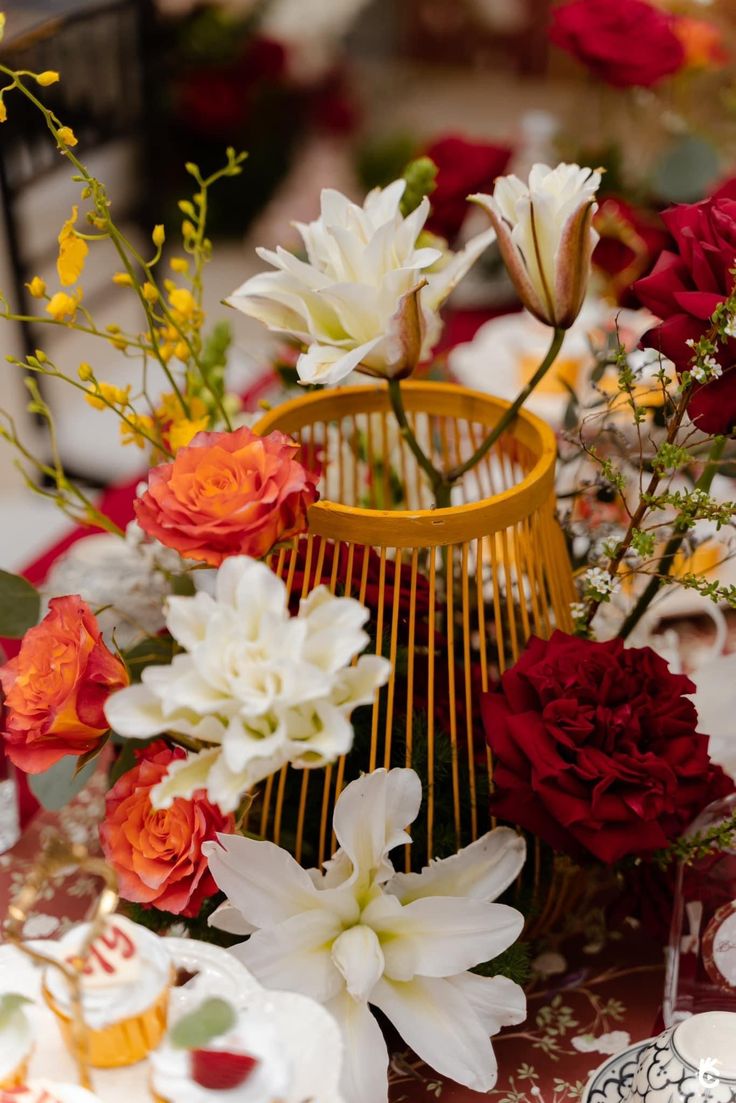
(613,1042)
(312,32)
(261,687)
(127,579)
(368,296)
(546,237)
(359,935)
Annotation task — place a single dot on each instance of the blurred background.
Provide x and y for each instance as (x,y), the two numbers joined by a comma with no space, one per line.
(340,93)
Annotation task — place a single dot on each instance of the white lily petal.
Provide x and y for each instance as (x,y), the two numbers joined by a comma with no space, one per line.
(184,777)
(186,618)
(497,1001)
(357,954)
(295,955)
(365,1065)
(135,712)
(227,918)
(260,879)
(482,870)
(371,817)
(440,936)
(325,364)
(439,1024)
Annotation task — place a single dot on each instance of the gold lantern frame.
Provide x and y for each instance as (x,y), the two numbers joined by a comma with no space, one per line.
(499,547)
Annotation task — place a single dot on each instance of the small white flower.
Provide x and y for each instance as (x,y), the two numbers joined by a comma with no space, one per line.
(546,238)
(598,583)
(261,688)
(368,296)
(611,1043)
(730,327)
(359,935)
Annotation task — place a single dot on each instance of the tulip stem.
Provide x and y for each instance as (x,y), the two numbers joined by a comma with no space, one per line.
(438,481)
(673,545)
(510,415)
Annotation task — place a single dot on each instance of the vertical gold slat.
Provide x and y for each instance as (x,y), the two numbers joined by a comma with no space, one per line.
(392,659)
(520,575)
(449,556)
(508,577)
(468,678)
(430,703)
(379,649)
(410,673)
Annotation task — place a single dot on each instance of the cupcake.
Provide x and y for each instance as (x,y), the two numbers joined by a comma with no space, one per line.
(125,992)
(217,1055)
(16,1041)
(44,1091)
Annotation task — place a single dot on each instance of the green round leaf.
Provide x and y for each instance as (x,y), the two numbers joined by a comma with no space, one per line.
(211,1019)
(20,605)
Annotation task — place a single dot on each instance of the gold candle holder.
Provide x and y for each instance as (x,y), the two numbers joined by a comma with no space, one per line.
(55,862)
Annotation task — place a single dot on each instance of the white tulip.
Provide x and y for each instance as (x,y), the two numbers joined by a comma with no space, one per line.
(545,235)
(368,296)
(259,686)
(358,935)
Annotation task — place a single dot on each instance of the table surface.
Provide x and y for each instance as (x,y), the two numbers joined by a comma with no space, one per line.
(607,991)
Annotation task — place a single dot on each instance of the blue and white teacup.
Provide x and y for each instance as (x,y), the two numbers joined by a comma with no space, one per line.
(693,1062)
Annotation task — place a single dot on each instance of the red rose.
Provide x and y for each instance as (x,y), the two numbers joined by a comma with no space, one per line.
(630,239)
(56,687)
(157,854)
(623,42)
(595,748)
(464,167)
(684,289)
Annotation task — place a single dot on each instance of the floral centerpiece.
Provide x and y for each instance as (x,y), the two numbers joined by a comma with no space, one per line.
(279,648)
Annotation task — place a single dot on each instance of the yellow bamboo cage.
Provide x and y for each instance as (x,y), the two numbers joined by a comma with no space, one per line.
(454,593)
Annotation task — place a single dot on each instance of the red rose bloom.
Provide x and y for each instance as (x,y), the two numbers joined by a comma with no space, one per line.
(630,240)
(623,42)
(684,289)
(56,687)
(464,167)
(157,854)
(595,748)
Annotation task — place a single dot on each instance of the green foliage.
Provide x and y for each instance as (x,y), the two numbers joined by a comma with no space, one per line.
(20,605)
(156,650)
(421,180)
(58,785)
(692,848)
(514,963)
(211,1019)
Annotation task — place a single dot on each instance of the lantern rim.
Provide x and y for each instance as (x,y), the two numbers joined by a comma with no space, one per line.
(415,528)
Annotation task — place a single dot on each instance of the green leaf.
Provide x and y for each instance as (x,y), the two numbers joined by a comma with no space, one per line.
(58,785)
(20,605)
(10,1005)
(155,651)
(687,170)
(211,1019)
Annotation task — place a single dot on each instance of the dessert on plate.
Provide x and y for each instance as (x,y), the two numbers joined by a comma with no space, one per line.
(215,1054)
(16,1040)
(125,991)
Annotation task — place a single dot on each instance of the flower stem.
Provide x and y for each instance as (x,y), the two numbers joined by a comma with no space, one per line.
(510,415)
(673,545)
(438,480)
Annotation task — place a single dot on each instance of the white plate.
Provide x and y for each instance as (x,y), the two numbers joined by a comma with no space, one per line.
(310,1034)
(611,1081)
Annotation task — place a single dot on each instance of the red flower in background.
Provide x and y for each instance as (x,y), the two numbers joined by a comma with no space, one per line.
(464,167)
(157,854)
(56,687)
(684,289)
(630,240)
(596,750)
(626,43)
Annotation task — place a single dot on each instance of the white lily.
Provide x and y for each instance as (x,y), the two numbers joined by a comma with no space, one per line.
(261,687)
(368,296)
(358,935)
(545,236)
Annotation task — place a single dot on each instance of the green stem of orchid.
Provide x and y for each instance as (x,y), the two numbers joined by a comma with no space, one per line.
(673,545)
(510,416)
(437,479)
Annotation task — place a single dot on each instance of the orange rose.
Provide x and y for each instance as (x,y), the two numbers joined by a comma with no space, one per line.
(228,494)
(702,43)
(157,855)
(56,687)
